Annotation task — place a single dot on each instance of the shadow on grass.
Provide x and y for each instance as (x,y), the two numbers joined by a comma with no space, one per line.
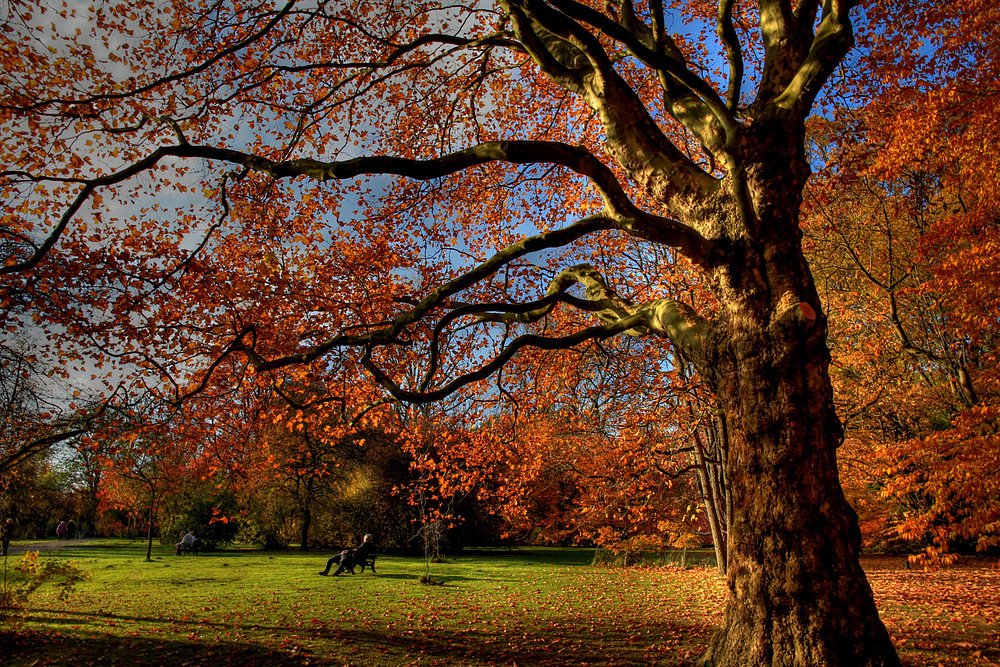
(527,646)
(398,576)
(184,624)
(367,643)
(530,555)
(54,648)
(377,575)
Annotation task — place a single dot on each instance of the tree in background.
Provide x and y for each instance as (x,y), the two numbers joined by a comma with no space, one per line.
(84,464)
(145,464)
(300,473)
(36,495)
(204,506)
(308,470)
(914,349)
(902,222)
(596,457)
(566,484)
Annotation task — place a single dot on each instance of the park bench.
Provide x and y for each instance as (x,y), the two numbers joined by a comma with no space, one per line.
(367,561)
(189,549)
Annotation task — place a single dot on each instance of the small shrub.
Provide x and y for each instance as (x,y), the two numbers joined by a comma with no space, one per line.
(28,575)
(428,580)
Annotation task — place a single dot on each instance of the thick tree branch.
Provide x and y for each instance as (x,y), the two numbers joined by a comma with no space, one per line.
(268,70)
(512,312)
(671,319)
(633,136)
(777,24)
(663,56)
(622,213)
(668,318)
(734,52)
(391,332)
(691,100)
(805,12)
(67,429)
(29,449)
(559,59)
(626,216)
(834,38)
(89,186)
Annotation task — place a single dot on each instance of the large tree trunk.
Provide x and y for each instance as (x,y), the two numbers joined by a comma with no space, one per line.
(798,594)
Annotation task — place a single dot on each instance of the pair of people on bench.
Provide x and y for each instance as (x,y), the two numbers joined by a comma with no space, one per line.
(348,558)
(188,543)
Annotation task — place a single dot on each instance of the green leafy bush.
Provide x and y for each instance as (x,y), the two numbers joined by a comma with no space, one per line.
(27,576)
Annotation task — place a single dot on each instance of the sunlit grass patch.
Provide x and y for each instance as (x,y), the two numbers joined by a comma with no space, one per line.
(529,606)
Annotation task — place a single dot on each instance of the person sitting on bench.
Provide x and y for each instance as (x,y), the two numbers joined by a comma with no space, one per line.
(187,543)
(348,558)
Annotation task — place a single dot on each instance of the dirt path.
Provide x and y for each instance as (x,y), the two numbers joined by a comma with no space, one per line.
(17,548)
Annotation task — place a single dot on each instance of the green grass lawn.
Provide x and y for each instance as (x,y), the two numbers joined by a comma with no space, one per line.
(528,607)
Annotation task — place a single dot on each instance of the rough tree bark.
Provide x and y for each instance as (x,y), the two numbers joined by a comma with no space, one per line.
(799,596)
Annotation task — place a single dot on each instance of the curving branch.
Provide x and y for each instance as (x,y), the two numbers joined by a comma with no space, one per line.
(575,58)
(561,61)
(621,212)
(671,319)
(89,186)
(691,100)
(834,37)
(66,429)
(391,332)
(734,52)
(36,446)
(488,369)
(513,312)
(627,216)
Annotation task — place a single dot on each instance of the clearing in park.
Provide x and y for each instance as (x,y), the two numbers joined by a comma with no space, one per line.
(537,606)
